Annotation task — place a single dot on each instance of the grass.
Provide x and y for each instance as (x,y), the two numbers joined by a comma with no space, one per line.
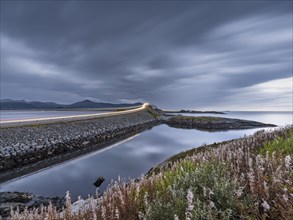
(229,180)
(184,154)
(154,113)
(281,145)
(208,181)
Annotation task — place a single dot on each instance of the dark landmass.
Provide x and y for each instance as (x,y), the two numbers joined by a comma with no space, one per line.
(9,104)
(212,123)
(196,112)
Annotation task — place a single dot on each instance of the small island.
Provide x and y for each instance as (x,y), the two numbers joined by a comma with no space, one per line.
(194,112)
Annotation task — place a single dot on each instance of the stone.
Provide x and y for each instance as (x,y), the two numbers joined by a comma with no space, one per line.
(15,197)
(85,142)
(99,181)
(39,146)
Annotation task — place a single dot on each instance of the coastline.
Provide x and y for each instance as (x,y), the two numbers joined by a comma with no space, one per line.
(30,145)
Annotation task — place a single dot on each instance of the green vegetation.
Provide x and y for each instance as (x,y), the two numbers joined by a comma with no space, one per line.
(184,154)
(154,113)
(209,183)
(281,145)
(230,180)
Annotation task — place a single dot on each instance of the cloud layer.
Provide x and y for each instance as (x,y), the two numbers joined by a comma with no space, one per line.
(207,55)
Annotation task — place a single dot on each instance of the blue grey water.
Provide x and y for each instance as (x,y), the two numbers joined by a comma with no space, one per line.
(34,114)
(130,158)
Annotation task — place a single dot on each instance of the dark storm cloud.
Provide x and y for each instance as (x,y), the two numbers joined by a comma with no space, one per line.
(172,54)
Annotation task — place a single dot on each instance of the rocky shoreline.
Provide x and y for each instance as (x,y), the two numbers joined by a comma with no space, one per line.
(26,200)
(24,149)
(196,112)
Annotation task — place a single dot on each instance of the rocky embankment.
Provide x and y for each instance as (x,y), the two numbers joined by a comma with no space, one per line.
(212,123)
(25,200)
(24,149)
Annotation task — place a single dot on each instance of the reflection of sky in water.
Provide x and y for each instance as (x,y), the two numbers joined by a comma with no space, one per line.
(128,159)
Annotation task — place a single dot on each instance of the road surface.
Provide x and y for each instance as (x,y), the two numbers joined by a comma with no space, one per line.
(47,120)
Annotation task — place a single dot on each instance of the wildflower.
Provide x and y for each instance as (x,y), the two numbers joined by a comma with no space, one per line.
(68,200)
(288,161)
(211,192)
(117,213)
(212,204)
(97,192)
(285,198)
(239,191)
(204,191)
(189,200)
(265,205)
(103,209)
(145,199)
(190,205)
(250,162)
(68,204)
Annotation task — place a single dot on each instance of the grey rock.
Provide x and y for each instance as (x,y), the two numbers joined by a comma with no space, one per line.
(99,181)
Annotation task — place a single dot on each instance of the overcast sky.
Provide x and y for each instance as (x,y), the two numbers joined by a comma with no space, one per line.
(186,54)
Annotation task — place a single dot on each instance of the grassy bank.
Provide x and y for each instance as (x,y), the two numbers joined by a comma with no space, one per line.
(247,178)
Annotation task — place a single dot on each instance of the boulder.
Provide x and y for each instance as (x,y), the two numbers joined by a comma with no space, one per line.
(99,181)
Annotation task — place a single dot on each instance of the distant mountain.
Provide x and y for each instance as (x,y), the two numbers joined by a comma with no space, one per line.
(12,100)
(46,105)
(91,104)
(15,105)
(9,104)
(86,104)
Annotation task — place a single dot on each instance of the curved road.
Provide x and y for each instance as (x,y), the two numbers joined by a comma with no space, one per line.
(11,123)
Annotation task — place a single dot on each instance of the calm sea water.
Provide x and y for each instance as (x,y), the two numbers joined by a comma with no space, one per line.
(130,158)
(6,115)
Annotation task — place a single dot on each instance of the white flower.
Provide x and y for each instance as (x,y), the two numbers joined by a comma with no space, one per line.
(211,192)
(204,191)
(116,213)
(212,204)
(288,161)
(239,191)
(176,217)
(265,205)
(190,200)
(285,198)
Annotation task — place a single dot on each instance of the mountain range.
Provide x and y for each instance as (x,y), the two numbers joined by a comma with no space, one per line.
(10,104)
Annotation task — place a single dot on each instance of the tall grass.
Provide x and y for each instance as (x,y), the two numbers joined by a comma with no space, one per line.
(242,179)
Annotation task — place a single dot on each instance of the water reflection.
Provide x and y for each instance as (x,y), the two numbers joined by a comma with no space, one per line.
(128,159)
